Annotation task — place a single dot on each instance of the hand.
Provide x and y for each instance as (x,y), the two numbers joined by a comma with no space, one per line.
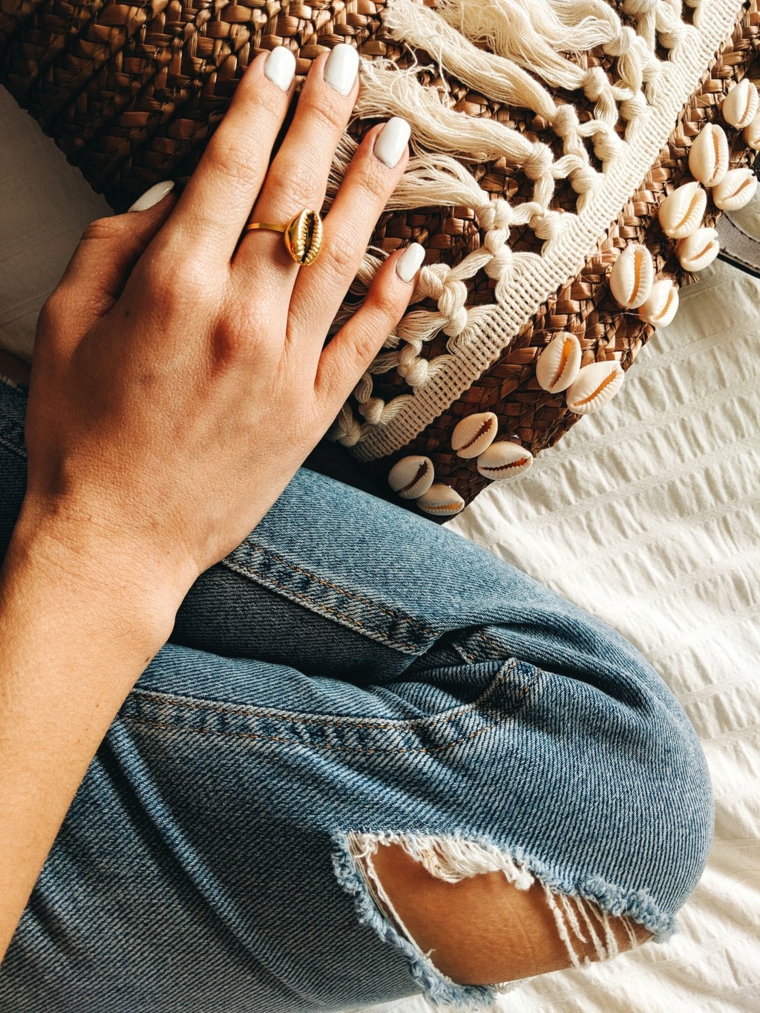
(179,376)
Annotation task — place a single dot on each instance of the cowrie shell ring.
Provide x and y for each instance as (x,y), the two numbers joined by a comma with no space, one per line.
(302,235)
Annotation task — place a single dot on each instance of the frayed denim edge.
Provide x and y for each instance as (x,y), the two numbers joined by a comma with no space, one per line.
(456,857)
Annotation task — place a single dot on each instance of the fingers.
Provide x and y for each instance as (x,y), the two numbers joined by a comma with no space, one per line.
(353,348)
(217,200)
(100,266)
(297,177)
(371,178)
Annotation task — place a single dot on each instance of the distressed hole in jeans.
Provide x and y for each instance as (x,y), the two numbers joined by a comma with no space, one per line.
(474,915)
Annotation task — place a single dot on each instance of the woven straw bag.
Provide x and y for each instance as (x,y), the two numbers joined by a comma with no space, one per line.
(546,134)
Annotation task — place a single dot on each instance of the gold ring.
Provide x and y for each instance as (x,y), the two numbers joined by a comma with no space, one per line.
(302,235)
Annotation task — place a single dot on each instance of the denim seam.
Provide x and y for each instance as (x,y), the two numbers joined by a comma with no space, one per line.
(13,448)
(342,748)
(189,704)
(269,581)
(337,587)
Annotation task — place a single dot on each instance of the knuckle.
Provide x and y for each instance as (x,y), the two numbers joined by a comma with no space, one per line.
(340,255)
(325,108)
(232,342)
(376,183)
(232,158)
(296,187)
(51,310)
(102,228)
(386,306)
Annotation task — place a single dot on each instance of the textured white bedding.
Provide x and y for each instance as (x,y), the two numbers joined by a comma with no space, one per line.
(647,514)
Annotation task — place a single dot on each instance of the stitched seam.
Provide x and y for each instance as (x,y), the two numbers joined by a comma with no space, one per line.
(271,582)
(13,448)
(343,748)
(232,564)
(189,704)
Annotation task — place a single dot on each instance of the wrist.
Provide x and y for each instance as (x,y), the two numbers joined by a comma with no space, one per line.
(108,576)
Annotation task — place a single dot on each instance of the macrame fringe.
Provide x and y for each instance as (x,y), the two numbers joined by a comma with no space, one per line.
(503,50)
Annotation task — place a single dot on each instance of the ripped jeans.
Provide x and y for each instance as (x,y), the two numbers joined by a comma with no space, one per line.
(350,674)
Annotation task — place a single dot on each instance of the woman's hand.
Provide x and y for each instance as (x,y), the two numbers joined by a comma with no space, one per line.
(179,376)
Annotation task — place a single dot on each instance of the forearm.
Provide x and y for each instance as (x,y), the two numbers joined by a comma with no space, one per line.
(79,622)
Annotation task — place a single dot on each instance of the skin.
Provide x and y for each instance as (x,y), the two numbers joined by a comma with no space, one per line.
(180,379)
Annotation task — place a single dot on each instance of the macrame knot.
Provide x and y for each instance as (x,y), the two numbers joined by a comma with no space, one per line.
(584,179)
(411,367)
(500,263)
(633,107)
(451,305)
(431,280)
(595,84)
(496,214)
(346,429)
(372,410)
(538,163)
(565,120)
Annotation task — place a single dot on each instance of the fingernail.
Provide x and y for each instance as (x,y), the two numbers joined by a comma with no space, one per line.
(342,67)
(280,67)
(392,141)
(152,196)
(410,261)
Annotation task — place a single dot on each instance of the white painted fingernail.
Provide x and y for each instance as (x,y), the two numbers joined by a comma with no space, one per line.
(152,196)
(280,67)
(392,141)
(410,261)
(342,67)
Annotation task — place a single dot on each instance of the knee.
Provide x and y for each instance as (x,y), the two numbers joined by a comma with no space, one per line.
(483,930)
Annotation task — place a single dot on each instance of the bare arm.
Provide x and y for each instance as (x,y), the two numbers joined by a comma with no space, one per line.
(74,642)
(180,379)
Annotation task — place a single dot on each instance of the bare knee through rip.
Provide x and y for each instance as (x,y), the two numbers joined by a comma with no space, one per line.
(483,930)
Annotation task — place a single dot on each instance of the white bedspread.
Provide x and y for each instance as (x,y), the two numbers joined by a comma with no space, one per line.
(646,514)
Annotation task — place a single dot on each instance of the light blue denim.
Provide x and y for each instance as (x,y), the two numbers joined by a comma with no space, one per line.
(349,668)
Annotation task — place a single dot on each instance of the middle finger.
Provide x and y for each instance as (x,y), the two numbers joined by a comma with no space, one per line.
(297,177)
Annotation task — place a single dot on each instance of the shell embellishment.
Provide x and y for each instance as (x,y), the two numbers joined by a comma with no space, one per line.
(473,434)
(682,212)
(736,189)
(662,305)
(708,156)
(740,105)
(504,460)
(632,276)
(751,134)
(698,250)
(303,237)
(411,476)
(559,362)
(441,500)
(594,387)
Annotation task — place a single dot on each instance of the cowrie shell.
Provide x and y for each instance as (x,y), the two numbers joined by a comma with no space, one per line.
(632,276)
(751,134)
(559,362)
(682,212)
(595,385)
(740,105)
(698,250)
(504,460)
(736,189)
(473,434)
(662,305)
(441,501)
(411,476)
(708,156)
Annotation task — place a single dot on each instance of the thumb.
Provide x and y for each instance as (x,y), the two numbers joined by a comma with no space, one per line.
(109,248)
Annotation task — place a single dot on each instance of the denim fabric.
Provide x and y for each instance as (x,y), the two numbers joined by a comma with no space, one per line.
(350,668)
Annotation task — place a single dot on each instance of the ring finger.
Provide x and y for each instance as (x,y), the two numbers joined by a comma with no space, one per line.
(297,177)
